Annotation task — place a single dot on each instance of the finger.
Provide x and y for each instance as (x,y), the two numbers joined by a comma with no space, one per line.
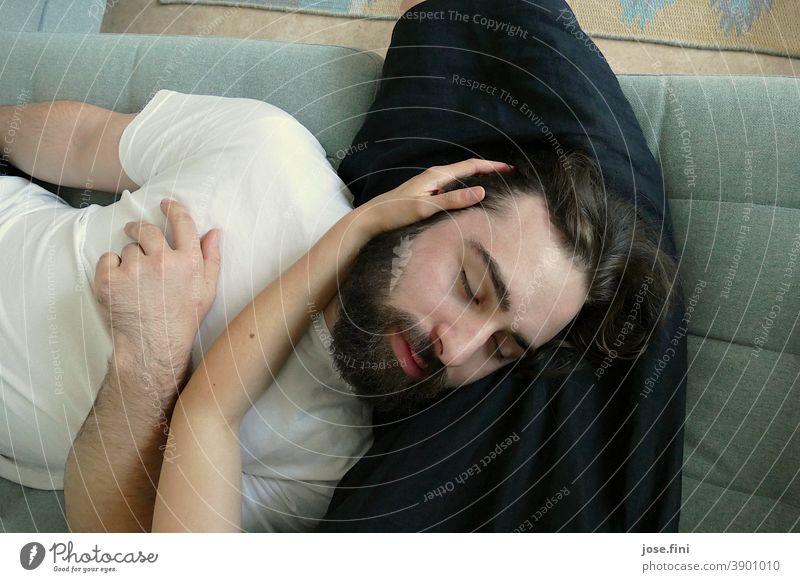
(463,198)
(184,230)
(149,237)
(211,258)
(443,175)
(108,261)
(105,266)
(130,253)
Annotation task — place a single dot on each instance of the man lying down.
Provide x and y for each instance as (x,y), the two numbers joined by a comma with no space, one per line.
(101,311)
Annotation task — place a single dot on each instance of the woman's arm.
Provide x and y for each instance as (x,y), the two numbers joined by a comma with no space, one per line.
(199,487)
(153,298)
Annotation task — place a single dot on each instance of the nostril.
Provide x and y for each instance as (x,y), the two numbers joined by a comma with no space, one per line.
(436,345)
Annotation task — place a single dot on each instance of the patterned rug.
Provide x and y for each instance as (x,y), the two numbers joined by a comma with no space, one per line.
(764,26)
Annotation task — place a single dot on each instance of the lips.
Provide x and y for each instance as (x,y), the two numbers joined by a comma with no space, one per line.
(410,362)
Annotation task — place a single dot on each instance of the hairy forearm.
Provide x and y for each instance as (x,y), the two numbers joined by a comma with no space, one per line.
(42,138)
(200,491)
(56,141)
(113,467)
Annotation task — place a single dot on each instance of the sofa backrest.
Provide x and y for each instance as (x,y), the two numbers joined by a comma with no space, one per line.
(730,152)
(327,88)
(84,16)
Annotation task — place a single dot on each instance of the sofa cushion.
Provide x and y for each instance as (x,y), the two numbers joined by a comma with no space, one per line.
(728,147)
(327,88)
(28,510)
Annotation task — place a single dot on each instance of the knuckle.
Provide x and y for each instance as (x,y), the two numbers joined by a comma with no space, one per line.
(176,209)
(181,213)
(129,253)
(158,267)
(149,230)
(102,286)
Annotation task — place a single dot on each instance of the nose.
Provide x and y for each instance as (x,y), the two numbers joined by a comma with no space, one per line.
(455,343)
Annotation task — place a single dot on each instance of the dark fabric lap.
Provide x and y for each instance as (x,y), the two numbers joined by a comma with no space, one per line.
(587,453)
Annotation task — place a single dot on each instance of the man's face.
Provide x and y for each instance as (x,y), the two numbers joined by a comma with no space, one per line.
(450,306)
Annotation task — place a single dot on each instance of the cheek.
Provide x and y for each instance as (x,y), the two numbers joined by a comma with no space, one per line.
(422,285)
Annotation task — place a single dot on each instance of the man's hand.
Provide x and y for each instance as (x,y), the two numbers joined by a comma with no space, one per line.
(155,297)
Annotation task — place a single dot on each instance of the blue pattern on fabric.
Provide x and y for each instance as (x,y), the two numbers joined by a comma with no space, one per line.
(735,16)
(642,10)
(738,16)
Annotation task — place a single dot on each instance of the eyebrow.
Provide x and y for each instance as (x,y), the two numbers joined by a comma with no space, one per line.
(500,288)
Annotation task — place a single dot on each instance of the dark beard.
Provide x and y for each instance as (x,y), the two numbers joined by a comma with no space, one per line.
(361,349)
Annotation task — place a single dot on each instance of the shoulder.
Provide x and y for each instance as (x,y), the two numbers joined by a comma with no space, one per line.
(208,110)
(246,115)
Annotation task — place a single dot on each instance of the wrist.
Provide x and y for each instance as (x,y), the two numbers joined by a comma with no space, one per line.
(358,225)
(132,361)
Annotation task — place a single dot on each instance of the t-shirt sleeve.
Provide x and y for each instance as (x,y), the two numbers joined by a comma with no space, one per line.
(175,128)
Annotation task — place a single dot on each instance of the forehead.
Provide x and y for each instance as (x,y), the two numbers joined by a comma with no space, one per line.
(519,239)
(546,289)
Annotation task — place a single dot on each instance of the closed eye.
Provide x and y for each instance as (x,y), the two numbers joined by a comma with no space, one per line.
(470,295)
(496,354)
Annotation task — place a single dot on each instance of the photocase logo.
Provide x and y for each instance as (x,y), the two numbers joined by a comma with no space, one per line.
(31,555)
(402,253)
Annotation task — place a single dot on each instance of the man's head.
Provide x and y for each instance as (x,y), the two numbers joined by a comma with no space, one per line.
(547,257)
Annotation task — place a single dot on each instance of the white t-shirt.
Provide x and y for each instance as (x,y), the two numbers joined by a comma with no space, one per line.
(246,167)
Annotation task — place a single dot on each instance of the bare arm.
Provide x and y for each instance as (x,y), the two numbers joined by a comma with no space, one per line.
(200,491)
(66,142)
(234,372)
(154,298)
(112,469)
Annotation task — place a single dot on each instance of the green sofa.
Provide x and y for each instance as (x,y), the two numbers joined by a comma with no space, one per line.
(74,16)
(729,149)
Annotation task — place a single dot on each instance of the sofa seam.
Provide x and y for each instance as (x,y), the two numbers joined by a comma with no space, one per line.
(740,344)
(734,202)
(737,490)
